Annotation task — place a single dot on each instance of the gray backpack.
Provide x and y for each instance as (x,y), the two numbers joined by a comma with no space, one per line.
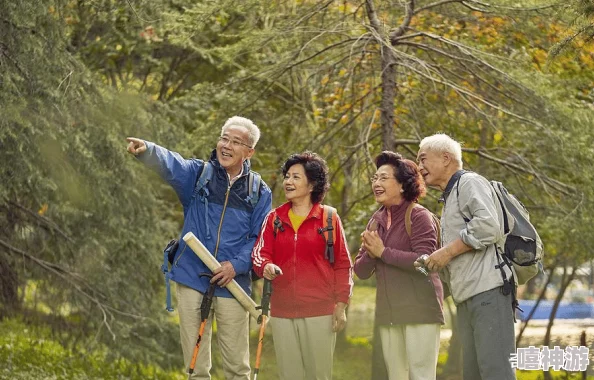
(523,249)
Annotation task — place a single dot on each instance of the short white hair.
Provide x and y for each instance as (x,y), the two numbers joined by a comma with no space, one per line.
(442,143)
(238,121)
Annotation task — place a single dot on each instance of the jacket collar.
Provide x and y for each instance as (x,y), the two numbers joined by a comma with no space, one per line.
(451,183)
(283,211)
(381,215)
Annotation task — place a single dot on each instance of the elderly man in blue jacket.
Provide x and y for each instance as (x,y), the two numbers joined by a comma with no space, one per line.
(227,222)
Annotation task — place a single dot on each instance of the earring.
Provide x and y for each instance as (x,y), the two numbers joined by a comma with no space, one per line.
(402,191)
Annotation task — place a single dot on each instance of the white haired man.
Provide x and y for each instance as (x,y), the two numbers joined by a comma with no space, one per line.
(469,262)
(224,219)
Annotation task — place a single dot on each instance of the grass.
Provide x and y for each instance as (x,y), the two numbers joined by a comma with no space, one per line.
(27,354)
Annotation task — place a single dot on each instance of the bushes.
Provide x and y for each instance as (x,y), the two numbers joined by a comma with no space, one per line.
(29,352)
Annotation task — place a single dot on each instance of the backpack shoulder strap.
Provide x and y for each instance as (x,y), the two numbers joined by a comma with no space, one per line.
(499,188)
(254,181)
(329,232)
(408,222)
(437,223)
(202,189)
(203,179)
(277,224)
(458,183)
(407,218)
(458,195)
(331,221)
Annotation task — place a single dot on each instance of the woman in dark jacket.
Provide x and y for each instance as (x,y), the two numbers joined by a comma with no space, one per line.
(409,305)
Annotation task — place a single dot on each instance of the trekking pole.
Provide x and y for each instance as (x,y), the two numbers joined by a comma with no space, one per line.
(204,311)
(263,320)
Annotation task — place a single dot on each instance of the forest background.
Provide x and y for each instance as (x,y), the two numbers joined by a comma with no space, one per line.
(83,225)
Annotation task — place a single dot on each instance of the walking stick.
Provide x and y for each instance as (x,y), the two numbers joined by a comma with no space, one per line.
(204,311)
(263,320)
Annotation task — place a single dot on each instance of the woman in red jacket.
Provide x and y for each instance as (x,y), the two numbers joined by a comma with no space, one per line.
(409,305)
(310,293)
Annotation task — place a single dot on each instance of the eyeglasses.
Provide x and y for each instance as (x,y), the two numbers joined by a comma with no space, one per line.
(235,143)
(381,179)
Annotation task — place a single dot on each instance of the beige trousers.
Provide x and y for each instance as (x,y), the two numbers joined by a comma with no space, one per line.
(304,347)
(232,334)
(410,351)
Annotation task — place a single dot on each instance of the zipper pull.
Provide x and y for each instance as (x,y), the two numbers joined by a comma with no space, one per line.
(295,236)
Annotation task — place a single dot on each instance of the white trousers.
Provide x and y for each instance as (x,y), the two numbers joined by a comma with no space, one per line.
(410,351)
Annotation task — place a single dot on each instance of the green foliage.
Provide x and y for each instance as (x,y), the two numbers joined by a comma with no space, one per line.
(578,35)
(28,352)
(78,219)
(82,224)
(31,352)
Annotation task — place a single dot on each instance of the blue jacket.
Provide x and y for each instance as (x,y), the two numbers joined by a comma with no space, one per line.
(239,222)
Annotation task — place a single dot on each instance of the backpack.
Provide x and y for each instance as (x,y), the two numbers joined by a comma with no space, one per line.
(437,223)
(523,248)
(254,181)
(408,225)
(330,216)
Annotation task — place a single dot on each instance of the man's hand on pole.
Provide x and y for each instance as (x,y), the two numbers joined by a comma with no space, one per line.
(136,146)
(223,275)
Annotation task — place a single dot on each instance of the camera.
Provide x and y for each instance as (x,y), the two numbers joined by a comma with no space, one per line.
(422,268)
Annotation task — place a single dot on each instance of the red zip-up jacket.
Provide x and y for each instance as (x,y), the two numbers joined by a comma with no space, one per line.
(310,286)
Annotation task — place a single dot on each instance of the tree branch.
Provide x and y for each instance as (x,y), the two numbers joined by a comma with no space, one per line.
(468,4)
(372,16)
(73,279)
(53,226)
(436,4)
(63,274)
(557,185)
(431,76)
(409,12)
(520,9)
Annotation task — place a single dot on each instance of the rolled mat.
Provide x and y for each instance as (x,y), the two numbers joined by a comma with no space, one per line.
(209,260)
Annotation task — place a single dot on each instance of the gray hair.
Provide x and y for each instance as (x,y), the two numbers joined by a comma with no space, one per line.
(238,121)
(443,143)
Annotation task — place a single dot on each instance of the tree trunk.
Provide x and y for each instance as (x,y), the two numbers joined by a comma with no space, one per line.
(584,343)
(378,365)
(388,95)
(388,78)
(453,366)
(346,187)
(9,299)
(565,281)
(341,337)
